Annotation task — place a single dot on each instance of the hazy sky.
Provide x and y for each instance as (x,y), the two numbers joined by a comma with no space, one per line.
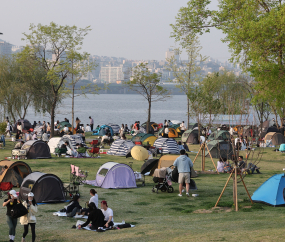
(135,29)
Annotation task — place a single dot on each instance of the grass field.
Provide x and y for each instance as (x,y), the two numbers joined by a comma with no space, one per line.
(162,216)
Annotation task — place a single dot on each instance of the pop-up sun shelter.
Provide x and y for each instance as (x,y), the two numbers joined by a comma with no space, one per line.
(168,145)
(144,138)
(190,136)
(272,191)
(219,149)
(102,130)
(120,147)
(15,173)
(36,149)
(115,175)
(46,187)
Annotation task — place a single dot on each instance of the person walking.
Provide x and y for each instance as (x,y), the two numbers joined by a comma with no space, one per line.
(10,203)
(30,218)
(91,123)
(184,165)
(182,127)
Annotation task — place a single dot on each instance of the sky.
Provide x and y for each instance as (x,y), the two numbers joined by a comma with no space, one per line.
(134,29)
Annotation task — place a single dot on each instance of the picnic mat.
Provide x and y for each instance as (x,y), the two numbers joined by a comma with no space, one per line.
(53,203)
(60,214)
(79,222)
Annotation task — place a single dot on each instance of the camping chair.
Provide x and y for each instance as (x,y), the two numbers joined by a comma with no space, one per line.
(94,152)
(59,151)
(80,175)
(94,143)
(82,152)
(138,143)
(72,173)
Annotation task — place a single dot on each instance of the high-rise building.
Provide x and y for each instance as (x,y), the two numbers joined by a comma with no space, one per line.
(5,48)
(170,53)
(112,74)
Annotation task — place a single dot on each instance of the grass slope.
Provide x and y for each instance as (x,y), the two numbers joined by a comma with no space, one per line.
(163,216)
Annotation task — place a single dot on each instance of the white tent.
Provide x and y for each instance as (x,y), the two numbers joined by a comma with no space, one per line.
(176,122)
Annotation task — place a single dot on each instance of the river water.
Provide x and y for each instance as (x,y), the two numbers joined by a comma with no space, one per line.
(126,109)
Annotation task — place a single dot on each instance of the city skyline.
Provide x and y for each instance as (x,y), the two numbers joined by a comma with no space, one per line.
(130,29)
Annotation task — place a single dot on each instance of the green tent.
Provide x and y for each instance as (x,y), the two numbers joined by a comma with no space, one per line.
(190,136)
(62,124)
(142,137)
(219,135)
(219,149)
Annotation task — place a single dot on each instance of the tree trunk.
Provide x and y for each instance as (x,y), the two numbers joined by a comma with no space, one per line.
(72,106)
(148,117)
(53,114)
(188,112)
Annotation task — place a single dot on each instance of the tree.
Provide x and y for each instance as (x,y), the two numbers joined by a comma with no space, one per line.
(53,47)
(187,73)
(254,32)
(146,83)
(80,67)
(19,81)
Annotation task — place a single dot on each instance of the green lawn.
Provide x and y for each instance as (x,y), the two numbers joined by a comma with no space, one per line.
(162,216)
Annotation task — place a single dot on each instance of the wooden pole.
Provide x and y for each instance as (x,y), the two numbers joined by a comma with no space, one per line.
(235,182)
(197,154)
(245,188)
(211,158)
(202,158)
(224,188)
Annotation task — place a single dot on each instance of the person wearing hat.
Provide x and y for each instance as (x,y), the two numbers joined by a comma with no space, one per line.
(30,218)
(108,214)
(10,203)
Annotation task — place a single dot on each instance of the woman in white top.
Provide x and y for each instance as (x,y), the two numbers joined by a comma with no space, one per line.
(220,165)
(182,127)
(108,214)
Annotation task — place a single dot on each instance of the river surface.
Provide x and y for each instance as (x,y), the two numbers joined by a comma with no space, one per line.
(126,109)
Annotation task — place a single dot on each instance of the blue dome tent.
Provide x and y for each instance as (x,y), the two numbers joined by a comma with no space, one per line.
(272,191)
(102,130)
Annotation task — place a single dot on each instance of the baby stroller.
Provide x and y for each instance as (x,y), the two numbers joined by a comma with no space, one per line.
(163,179)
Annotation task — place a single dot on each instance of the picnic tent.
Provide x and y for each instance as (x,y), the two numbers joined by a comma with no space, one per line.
(102,130)
(15,173)
(192,125)
(120,147)
(176,122)
(36,149)
(72,140)
(115,175)
(166,161)
(62,125)
(219,149)
(219,135)
(25,124)
(171,134)
(177,128)
(276,138)
(144,138)
(115,127)
(272,191)
(168,145)
(153,127)
(190,136)
(46,187)
(273,129)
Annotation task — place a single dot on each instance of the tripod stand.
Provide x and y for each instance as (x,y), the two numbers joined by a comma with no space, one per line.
(203,150)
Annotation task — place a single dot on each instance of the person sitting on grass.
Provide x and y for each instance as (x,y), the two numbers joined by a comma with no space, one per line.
(19,145)
(108,214)
(73,208)
(227,167)
(93,199)
(116,136)
(180,146)
(220,165)
(96,217)
(81,149)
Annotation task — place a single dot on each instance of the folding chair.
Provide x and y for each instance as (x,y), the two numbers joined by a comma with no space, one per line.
(72,173)
(94,152)
(80,175)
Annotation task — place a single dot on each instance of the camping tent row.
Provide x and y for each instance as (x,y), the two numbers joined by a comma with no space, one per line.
(103,130)
(120,147)
(168,145)
(15,173)
(114,175)
(275,138)
(46,187)
(144,138)
(71,139)
(36,149)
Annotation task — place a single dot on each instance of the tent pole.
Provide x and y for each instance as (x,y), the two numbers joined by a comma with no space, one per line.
(197,154)
(224,188)
(211,158)
(245,188)
(235,190)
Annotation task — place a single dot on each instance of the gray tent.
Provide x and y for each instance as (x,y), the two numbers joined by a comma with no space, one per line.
(219,135)
(37,149)
(190,136)
(46,187)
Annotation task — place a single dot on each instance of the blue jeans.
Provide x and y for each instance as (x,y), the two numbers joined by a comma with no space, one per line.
(3,139)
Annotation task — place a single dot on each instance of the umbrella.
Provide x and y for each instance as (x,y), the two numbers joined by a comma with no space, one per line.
(139,153)
(147,166)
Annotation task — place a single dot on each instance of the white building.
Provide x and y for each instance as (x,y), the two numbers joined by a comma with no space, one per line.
(170,53)
(5,48)
(112,74)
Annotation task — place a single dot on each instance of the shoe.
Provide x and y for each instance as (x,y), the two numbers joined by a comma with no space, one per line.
(187,194)
(179,195)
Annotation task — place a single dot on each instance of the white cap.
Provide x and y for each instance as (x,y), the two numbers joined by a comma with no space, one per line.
(13,193)
(31,194)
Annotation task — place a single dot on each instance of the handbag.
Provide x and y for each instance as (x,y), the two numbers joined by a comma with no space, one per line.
(19,210)
(32,217)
